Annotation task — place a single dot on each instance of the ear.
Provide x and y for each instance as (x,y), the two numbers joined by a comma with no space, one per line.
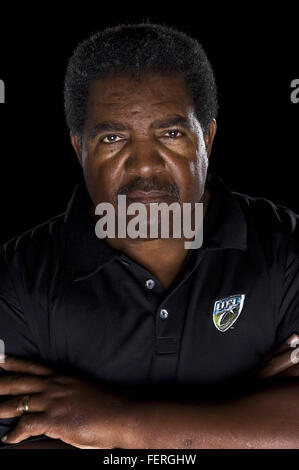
(209,135)
(76,146)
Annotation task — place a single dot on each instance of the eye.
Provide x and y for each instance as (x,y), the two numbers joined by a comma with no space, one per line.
(110,139)
(174,133)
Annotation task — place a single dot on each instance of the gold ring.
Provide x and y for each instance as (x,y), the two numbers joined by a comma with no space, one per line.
(25,404)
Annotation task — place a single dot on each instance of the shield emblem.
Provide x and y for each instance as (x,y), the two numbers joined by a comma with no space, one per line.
(227,311)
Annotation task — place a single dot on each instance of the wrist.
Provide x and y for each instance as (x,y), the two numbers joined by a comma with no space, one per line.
(133,424)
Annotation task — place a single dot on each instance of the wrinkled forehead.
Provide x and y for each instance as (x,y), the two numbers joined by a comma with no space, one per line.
(147,99)
(118,89)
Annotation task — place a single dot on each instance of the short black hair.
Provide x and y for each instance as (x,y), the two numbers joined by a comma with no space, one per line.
(136,49)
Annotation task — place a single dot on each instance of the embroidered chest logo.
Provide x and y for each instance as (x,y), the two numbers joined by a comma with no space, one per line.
(227,311)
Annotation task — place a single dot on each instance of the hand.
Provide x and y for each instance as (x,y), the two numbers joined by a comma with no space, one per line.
(61,407)
(284,361)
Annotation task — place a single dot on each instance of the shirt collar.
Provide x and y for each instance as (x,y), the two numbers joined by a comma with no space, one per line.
(224,227)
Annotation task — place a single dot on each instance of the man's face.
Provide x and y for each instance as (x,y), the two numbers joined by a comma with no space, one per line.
(143,139)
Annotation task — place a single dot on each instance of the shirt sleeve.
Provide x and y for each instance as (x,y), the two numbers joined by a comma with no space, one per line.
(288,312)
(14,331)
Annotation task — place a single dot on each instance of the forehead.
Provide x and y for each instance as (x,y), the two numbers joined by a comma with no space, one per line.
(125,95)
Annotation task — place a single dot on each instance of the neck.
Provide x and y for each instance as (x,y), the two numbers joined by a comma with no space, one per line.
(162,257)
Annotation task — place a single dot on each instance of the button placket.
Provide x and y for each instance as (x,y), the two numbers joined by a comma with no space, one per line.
(163,313)
(149,283)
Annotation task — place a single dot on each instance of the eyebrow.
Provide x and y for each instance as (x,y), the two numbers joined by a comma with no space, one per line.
(116,126)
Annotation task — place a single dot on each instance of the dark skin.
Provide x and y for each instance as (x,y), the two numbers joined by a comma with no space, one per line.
(84,415)
(71,411)
(62,407)
(175,154)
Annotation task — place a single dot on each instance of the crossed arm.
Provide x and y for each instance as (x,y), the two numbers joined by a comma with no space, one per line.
(76,413)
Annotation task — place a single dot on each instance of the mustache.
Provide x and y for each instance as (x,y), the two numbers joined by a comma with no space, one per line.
(150,184)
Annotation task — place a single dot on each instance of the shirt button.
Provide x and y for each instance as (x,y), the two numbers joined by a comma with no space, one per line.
(150,283)
(163,314)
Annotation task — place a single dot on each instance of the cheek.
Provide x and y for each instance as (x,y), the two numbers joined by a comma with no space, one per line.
(197,177)
(101,178)
(200,166)
(191,165)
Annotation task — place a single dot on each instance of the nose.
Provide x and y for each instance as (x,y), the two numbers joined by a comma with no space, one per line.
(144,159)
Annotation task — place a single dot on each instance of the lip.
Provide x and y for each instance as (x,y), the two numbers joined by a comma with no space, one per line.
(147,197)
(145,194)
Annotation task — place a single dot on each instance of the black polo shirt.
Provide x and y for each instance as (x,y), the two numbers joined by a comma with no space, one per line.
(68,299)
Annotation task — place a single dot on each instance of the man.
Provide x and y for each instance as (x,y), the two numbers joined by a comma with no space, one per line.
(141,343)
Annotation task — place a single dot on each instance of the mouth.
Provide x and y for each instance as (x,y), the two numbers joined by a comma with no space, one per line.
(147,197)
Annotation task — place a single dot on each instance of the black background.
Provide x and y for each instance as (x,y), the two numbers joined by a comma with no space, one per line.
(255,57)
(254,54)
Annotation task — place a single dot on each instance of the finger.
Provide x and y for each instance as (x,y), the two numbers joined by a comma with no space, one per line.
(29,425)
(279,363)
(14,407)
(22,384)
(291,342)
(26,366)
(292,371)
